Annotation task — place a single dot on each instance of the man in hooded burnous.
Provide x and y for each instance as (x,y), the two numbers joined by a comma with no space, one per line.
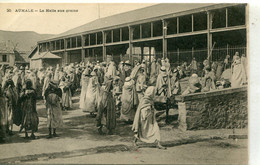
(11,102)
(84,85)
(3,116)
(92,94)
(53,96)
(129,101)
(145,125)
(30,118)
(106,108)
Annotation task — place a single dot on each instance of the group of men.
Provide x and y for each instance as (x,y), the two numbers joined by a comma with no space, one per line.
(109,92)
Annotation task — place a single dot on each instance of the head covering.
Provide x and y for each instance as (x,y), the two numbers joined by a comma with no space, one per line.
(28,83)
(127,79)
(93,74)
(127,63)
(163,69)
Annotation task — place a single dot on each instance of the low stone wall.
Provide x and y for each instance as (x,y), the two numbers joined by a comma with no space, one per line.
(225,108)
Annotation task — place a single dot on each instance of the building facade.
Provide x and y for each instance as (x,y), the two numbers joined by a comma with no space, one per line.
(178,32)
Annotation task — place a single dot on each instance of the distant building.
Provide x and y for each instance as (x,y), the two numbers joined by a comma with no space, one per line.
(43,59)
(10,57)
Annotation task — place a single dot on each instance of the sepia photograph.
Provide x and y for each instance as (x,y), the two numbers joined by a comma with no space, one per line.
(124,83)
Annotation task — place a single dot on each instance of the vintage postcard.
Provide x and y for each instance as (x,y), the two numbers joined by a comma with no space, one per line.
(124,83)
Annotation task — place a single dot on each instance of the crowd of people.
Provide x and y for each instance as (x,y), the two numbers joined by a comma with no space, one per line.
(108,92)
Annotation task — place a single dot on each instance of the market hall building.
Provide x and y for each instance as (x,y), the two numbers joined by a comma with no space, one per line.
(178,32)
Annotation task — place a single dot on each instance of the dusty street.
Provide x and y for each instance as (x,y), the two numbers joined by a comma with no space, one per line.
(79,142)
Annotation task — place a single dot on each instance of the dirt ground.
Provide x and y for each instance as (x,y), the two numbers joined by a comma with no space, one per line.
(79,142)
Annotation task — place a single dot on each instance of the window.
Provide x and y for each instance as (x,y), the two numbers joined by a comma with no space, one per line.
(185,24)
(157,28)
(219,18)
(236,15)
(146,30)
(108,37)
(4,58)
(200,21)
(116,35)
(78,41)
(125,34)
(171,26)
(136,32)
(99,38)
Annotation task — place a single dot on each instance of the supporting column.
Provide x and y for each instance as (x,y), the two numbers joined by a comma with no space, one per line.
(247,30)
(150,59)
(192,52)
(178,55)
(142,53)
(103,46)
(226,17)
(151,29)
(164,44)
(130,44)
(120,34)
(209,35)
(82,49)
(141,31)
(192,23)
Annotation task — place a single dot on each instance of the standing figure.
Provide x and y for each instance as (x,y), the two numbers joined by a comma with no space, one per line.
(92,94)
(30,118)
(140,84)
(84,85)
(65,87)
(129,101)
(238,77)
(175,83)
(11,103)
(145,125)
(193,66)
(163,84)
(53,95)
(3,116)
(106,108)
(153,73)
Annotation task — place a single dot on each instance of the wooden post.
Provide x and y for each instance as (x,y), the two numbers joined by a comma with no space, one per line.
(142,53)
(192,23)
(164,44)
(178,54)
(104,46)
(120,34)
(141,31)
(82,49)
(150,60)
(112,36)
(192,52)
(226,17)
(178,25)
(209,35)
(130,43)
(151,29)
(88,39)
(227,48)
(96,39)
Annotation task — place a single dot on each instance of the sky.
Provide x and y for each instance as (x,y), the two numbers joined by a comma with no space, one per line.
(57,22)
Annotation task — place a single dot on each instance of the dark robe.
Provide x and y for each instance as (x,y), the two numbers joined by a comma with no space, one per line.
(106,107)
(30,118)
